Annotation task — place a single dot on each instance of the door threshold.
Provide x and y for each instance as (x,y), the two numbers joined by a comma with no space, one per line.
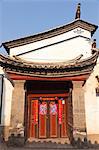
(52,140)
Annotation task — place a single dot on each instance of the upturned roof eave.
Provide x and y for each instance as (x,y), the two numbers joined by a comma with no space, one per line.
(65,69)
(73,62)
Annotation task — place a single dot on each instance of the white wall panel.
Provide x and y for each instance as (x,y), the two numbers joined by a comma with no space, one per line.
(54,49)
(92,103)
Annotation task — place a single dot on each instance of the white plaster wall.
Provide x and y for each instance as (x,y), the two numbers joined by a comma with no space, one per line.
(92,103)
(63,51)
(6,105)
(57,52)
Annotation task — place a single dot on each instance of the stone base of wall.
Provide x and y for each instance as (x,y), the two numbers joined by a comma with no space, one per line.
(16,140)
(1,129)
(94,138)
(4,132)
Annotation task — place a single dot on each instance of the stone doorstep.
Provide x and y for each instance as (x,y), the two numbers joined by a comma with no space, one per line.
(52,140)
(51,147)
(49,143)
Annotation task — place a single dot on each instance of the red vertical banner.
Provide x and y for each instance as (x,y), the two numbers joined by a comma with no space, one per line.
(60,111)
(36,112)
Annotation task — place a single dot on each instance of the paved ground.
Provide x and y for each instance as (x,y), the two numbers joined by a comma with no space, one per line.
(44,146)
(4,147)
(47,149)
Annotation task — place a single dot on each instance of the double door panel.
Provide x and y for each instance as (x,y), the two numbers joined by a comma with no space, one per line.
(47,119)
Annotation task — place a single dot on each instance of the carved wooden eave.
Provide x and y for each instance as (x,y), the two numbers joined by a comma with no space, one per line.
(51,33)
(75,67)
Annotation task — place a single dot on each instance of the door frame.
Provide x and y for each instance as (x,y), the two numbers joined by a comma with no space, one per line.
(30,97)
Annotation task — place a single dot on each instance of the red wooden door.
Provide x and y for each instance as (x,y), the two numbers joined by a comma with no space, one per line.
(43,120)
(53,119)
(48,118)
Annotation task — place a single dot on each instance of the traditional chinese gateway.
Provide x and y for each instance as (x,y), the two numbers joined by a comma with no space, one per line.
(48,84)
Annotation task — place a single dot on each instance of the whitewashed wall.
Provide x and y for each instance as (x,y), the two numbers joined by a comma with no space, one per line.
(6,100)
(92,103)
(6,105)
(61,51)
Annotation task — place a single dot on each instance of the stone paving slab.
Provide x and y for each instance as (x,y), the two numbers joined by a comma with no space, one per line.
(3,147)
(11,148)
(39,146)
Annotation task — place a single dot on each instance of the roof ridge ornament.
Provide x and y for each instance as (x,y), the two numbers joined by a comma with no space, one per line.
(78,12)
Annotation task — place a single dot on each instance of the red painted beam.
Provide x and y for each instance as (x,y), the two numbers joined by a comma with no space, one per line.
(48,95)
(14,76)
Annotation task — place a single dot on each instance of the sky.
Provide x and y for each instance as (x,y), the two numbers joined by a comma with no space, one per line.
(21,18)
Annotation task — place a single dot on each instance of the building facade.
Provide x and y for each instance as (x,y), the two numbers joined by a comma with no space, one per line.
(50,85)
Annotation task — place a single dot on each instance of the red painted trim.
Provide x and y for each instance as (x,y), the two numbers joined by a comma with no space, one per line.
(25,77)
(48,95)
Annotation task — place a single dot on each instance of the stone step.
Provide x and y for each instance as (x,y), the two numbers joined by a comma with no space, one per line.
(48,145)
(54,146)
(20,144)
